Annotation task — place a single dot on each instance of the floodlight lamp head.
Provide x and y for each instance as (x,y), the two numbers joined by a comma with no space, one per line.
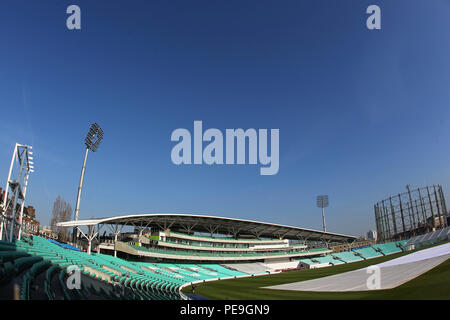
(93,137)
(322,201)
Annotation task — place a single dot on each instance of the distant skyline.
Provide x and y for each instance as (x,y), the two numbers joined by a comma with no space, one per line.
(361,113)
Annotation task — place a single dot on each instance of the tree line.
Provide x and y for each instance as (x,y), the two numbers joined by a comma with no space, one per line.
(62,211)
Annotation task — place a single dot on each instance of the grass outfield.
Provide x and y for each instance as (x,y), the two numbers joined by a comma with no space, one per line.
(434,284)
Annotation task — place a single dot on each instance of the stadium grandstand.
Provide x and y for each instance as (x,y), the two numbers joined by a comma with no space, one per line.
(163,253)
(167,252)
(187,238)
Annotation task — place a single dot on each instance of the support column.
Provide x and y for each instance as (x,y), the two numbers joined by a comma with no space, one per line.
(444,206)
(89,237)
(89,246)
(412,207)
(5,198)
(438,207)
(16,196)
(411,225)
(401,212)
(424,211)
(386,221)
(393,216)
(417,212)
(115,241)
(433,224)
(139,236)
(116,231)
(323,220)
(80,187)
(377,222)
(19,235)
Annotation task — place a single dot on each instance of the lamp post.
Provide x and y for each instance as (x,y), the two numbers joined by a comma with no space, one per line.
(322,202)
(92,141)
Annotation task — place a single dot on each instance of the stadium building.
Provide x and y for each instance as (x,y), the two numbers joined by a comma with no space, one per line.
(163,253)
(188,237)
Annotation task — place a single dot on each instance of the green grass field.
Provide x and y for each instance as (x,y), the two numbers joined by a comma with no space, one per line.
(434,284)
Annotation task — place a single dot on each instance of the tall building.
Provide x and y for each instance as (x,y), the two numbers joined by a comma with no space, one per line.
(30,224)
(372,235)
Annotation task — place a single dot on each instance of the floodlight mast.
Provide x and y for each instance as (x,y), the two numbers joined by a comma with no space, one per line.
(15,192)
(92,141)
(80,186)
(322,202)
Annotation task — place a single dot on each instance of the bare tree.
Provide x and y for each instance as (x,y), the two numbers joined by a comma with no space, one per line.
(62,211)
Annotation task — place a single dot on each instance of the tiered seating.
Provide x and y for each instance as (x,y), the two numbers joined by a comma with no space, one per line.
(223,270)
(282,265)
(388,248)
(368,253)
(64,245)
(250,268)
(35,270)
(347,256)
(429,238)
(223,238)
(318,250)
(212,254)
(377,250)
(328,259)
(103,276)
(307,261)
(228,254)
(401,244)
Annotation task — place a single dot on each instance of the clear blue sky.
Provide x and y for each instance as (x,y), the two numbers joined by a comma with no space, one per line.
(361,113)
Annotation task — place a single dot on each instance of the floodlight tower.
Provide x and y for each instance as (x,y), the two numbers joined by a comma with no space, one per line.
(92,141)
(16,188)
(322,202)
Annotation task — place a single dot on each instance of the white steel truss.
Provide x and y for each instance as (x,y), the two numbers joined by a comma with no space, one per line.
(12,204)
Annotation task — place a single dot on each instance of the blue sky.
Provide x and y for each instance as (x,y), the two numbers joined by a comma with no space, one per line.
(361,113)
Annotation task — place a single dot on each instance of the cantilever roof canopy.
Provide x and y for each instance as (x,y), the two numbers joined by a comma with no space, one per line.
(215,225)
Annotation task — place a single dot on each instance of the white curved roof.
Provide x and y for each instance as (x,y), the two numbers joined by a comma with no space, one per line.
(205,223)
